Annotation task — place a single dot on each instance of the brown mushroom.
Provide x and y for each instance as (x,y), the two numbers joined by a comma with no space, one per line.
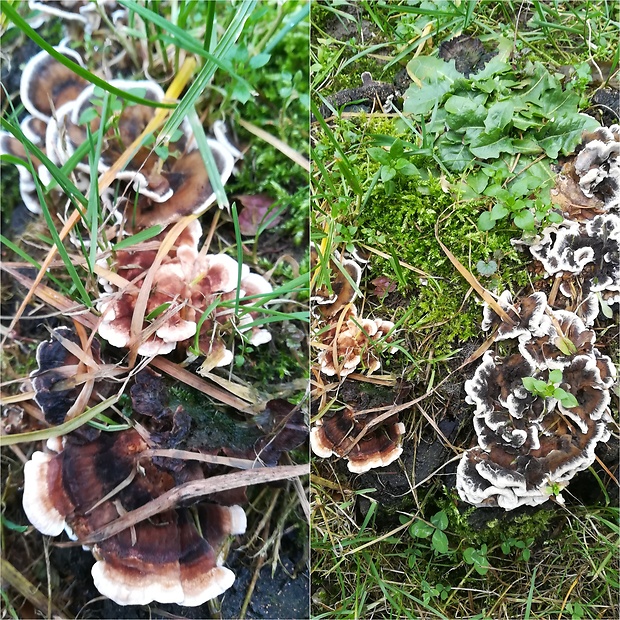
(184,286)
(355,340)
(190,187)
(329,303)
(353,436)
(46,84)
(170,187)
(164,558)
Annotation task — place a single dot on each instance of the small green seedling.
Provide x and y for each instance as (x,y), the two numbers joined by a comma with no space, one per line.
(575,610)
(477,558)
(523,545)
(550,388)
(393,162)
(486,269)
(555,489)
(435,529)
(437,591)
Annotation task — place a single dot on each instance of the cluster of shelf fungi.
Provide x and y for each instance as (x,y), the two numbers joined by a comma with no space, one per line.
(347,341)
(530,443)
(85,480)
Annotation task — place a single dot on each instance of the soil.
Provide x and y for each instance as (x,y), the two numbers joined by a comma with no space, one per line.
(281,595)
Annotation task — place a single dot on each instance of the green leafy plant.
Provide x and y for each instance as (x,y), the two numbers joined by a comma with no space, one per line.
(393,162)
(486,268)
(550,388)
(434,530)
(511,543)
(575,610)
(477,558)
(502,126)
(437,591)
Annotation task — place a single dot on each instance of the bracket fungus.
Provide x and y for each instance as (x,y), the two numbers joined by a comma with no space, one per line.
(34,129)
(597,165)
(82,12)
(172,557)
(172,181)
(346,339)
(358,438)
(531,442)
(586,256)
(184,286)
(46,85)
(328,304)
(56,366)
(353,341)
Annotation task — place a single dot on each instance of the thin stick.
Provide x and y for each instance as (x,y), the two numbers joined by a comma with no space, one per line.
(205,458)
(284,148)
(190,490)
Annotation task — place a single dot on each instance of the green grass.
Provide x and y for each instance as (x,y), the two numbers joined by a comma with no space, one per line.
(251,65)
(386,182)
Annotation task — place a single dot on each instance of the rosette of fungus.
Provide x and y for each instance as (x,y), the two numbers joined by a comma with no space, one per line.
(184,286)
(468,53)
(527,315)
(171,186)
(598,165)
(364,441)
(350,340)
(46,85)
(530,444)
(586,256)
(172,557)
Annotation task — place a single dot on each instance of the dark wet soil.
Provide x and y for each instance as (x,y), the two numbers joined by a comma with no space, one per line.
(283,595)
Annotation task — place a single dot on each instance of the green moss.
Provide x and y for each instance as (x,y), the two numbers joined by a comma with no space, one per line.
(212,428)
(403,226)
(398,219)
(532,526)
(262,366)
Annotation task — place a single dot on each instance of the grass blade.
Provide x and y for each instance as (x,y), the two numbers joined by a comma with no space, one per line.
(23,25)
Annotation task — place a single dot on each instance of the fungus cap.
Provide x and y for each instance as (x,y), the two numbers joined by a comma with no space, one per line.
(46,84)
(337,433)
(163,558)
(342,293)
(38,503)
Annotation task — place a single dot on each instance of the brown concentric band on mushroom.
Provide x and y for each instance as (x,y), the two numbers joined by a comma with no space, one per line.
(531,443)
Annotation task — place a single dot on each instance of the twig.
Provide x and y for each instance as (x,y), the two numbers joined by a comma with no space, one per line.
(189,490)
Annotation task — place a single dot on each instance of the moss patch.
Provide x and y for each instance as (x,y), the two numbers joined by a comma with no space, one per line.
(398,219)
